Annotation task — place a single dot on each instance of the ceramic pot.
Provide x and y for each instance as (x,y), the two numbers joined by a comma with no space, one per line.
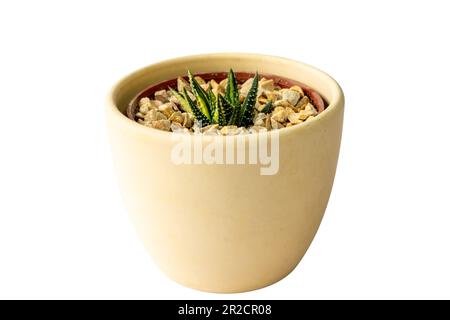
(226,227)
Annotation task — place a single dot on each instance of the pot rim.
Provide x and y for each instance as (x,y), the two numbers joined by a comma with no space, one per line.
(335,99)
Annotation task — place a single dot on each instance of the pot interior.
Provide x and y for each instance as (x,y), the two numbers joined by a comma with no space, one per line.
(317,100)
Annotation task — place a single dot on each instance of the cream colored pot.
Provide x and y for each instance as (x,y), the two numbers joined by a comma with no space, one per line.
(226,227)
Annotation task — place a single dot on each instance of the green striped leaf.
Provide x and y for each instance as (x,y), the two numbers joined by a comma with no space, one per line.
(227,108)
(224,111)
(232,90)
(248,107)
(183,102)
(212,102)
(234,116)
(198,115)
(201,96)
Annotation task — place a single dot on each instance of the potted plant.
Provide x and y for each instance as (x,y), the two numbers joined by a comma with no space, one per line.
(225,212)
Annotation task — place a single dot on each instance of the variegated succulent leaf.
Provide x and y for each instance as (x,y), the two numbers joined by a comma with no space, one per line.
(183,102)
(248,107)
(201,96)
(212,102)
(197,113)
(215,117)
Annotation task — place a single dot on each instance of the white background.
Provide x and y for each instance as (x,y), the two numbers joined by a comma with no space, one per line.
(64,232)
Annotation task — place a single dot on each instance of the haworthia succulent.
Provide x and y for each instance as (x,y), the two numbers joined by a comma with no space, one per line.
(234,118)
(248,106)
(201,96)
(224,111)
(227,108)
(212,101)
(183,102)
(221,109)
(199,116)
(215,117)
(232,90)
